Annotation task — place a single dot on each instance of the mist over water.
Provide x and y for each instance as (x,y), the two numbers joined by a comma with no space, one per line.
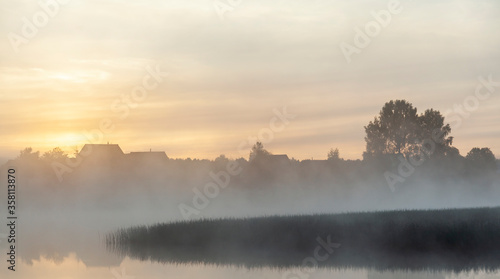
(108,191)
(439,240)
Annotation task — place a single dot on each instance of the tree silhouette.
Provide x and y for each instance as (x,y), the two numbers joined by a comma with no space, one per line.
(258,151)
(481,159)
(400,130)
(29,155)
(56,154)
(333,155)
(394,131)
(432,127)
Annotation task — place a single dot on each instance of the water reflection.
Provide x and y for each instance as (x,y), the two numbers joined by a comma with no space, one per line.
(443,240)
(71,246)
(406,275)
(392,264)
(72,267)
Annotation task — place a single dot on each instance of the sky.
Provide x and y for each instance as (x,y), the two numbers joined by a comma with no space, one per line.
(221,74)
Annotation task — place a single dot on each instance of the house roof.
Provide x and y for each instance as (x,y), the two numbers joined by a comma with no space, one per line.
(280,157)
(101,149)
(274,159)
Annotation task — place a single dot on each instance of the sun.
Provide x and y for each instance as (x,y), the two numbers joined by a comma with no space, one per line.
(66,141)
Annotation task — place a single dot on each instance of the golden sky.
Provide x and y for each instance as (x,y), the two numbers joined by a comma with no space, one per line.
(228,72)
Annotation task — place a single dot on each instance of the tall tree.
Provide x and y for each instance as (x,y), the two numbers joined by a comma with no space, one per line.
(258,151)
(394,131)
(333,155)
(481,159)
(432,127)
(400,130)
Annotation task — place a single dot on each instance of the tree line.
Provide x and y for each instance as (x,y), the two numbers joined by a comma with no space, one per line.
(398,130)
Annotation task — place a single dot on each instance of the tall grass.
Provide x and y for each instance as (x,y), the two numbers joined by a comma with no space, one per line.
(453,239)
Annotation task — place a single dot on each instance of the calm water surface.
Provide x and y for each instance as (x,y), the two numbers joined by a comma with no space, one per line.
(58,244)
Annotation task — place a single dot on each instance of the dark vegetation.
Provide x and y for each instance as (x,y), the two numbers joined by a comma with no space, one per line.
(102,179)
(101,175)
(454,239)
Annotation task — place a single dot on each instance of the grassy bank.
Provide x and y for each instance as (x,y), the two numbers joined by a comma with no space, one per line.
(454,239)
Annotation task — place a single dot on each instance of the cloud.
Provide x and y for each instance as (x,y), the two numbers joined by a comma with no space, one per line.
(228,75)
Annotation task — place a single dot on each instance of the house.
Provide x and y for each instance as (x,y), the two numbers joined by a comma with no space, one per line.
(111,150)
(271,162)
(271,159)
(279,160)
(111,155)
(101,154)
